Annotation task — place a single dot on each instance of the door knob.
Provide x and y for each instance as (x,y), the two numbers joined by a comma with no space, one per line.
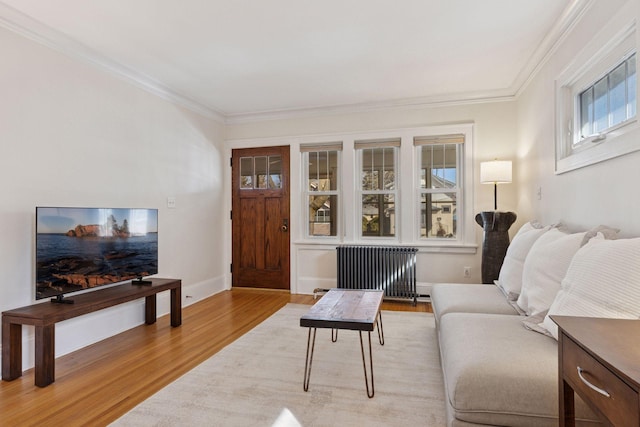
(285,226)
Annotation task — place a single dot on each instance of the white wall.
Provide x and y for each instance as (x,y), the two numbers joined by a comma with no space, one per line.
(495,133)
(72,135)
(603,193)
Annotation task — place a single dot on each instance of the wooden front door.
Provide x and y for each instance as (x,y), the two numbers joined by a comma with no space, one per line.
(260,217)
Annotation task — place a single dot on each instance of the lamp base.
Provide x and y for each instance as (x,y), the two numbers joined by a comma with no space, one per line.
(495,241)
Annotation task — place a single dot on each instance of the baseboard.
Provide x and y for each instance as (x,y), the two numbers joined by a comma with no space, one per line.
(307,285)
(424,289)
(198,291)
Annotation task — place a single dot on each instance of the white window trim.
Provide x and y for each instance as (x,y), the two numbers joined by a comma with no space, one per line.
(613,42)
(465,241)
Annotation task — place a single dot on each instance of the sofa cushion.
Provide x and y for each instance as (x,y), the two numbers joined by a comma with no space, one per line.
(498,373)
(545,267)
(603,280)
(468,298)
(510,277)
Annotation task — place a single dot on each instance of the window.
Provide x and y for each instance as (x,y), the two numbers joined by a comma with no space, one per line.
(321,188)
(377,187)
(596,98)
(438,185)
(608,102)
(404,186)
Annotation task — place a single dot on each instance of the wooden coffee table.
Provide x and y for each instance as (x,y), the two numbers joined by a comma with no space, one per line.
(357,310)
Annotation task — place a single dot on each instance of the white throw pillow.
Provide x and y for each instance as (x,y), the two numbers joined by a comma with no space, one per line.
(510,277)
(603,280)
(545,267)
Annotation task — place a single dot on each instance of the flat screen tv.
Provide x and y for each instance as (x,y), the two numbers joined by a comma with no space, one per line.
(83,248)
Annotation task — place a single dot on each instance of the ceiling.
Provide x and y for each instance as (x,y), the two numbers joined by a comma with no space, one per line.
(240,59)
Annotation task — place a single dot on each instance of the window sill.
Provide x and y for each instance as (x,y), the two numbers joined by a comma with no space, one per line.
(617,143)
(455,248)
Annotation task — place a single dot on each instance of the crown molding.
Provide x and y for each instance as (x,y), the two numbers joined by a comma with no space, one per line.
(392,105)
(32,29)
(572,14)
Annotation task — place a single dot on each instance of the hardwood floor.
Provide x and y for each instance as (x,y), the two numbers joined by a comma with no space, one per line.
(101,382)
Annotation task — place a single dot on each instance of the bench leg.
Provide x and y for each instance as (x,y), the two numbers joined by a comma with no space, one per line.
(11,350)
(45,355)
(176,307)
(150,303)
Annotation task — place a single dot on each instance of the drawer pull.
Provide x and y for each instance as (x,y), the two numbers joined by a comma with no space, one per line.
(591,386)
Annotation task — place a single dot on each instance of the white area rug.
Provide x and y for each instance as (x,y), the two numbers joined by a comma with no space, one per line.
(257,380)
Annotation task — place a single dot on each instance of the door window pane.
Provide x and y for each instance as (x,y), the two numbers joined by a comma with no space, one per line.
(261,172)
(275,172)
(246,172)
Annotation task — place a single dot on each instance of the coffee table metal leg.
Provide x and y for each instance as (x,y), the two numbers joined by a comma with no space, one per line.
(380,330)
(334,335)
(364,365)
(311,343)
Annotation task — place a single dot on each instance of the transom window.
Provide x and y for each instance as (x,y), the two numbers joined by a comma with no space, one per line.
(610,101)
(596,115)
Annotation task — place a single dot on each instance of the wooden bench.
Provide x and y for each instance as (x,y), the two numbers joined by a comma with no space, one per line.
(44,316)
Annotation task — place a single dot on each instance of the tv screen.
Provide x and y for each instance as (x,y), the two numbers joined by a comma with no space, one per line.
(83,248)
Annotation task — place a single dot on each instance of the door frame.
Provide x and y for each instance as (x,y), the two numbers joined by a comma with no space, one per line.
(294,210)
(262,277)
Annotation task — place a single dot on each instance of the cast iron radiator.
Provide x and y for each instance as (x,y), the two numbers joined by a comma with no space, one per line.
(388,268)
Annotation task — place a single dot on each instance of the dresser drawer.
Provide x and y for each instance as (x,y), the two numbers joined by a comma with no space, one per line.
(621,406)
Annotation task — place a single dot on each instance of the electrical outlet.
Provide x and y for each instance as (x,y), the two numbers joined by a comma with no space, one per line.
(466,271)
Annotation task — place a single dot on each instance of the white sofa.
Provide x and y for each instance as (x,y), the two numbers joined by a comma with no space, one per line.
(498,350)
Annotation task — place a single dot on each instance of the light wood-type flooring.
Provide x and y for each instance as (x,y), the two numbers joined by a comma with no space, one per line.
(99,383)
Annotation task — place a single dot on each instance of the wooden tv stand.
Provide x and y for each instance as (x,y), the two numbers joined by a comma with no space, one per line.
(44,316)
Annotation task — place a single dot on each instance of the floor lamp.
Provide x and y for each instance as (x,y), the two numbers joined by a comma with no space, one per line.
(494,223)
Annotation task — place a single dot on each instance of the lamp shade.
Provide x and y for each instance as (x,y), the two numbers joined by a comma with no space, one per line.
(495,172)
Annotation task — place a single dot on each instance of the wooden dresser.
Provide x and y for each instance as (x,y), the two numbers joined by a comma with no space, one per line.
(599,359)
